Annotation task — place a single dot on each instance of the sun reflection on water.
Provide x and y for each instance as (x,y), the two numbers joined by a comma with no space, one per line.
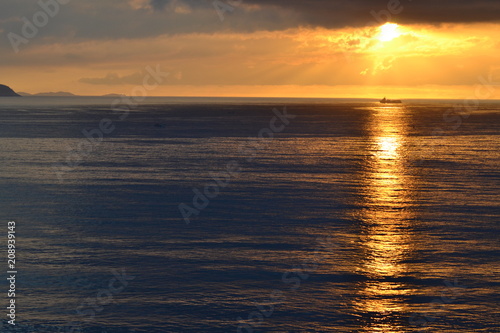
(385,225)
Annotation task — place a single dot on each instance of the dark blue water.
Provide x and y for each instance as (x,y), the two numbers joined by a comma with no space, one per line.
(346,216)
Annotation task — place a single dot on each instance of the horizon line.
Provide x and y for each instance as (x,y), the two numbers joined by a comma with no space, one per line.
(248,97)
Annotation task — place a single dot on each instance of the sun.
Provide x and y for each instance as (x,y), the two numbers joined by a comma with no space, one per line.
(388,32)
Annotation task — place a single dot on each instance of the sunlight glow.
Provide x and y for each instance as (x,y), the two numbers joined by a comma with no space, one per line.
(387,236)
(388,32)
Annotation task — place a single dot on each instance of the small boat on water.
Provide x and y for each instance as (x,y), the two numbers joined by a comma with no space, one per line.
(390,101)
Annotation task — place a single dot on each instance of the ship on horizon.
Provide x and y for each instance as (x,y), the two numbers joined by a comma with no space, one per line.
(389,101)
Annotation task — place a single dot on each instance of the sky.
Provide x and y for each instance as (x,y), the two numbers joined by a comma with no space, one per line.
(271,48)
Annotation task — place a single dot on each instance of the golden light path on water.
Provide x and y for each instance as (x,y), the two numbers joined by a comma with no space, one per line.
(386,235)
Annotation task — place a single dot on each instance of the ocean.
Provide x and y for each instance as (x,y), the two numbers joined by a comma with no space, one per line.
(249,215)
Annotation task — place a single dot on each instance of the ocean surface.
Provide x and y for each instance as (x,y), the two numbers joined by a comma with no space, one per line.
(251,215)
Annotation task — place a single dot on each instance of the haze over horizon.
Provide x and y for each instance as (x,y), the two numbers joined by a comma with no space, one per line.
(253,48)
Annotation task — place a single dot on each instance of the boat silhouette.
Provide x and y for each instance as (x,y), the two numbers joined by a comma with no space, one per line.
(388,101)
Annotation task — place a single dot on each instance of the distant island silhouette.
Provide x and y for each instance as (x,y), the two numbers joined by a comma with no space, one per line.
(62,94)
(50,94)
(6,91)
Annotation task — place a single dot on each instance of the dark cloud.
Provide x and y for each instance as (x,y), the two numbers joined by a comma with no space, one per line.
(339,13)
(159,4)
(115,19)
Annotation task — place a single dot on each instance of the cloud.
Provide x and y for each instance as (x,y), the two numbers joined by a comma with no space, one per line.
(137,19)
(159,4)
(94,44)
(115,79)
(340,13)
